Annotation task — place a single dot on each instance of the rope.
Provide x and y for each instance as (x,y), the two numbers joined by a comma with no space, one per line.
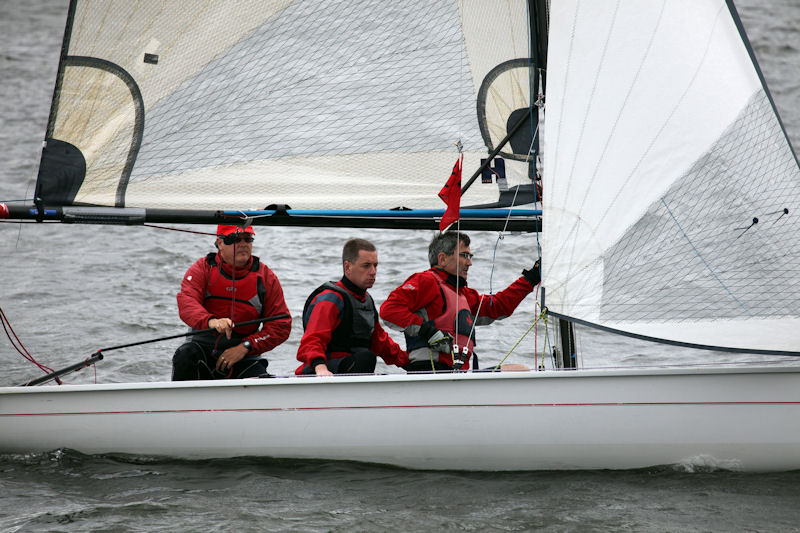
(498,365)
(544,342)
(16,343)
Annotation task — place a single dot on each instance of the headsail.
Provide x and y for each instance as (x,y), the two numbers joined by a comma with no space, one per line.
(661,149)
(315,105)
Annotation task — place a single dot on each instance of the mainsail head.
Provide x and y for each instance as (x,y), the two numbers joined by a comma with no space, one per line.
(662,147)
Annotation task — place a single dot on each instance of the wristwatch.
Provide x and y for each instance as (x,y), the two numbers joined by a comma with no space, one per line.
(247,345)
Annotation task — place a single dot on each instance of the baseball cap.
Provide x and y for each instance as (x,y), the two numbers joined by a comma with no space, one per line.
(223,229)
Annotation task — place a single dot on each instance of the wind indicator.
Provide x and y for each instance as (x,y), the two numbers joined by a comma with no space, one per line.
(755,221)
(451,195)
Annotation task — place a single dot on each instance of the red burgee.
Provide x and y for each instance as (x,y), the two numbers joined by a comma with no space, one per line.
(451,195)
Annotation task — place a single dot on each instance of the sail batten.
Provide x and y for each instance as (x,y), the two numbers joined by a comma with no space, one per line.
(673,192)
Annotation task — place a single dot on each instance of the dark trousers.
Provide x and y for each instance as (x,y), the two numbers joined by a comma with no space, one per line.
(425,366)
(197,359)
(361,361)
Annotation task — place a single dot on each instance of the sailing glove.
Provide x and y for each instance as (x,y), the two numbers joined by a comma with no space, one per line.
(534,274)
(437,340)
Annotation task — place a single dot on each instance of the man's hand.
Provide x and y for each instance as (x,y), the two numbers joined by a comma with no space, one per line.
(230,357)
(437,340)
(322,370)
(534,274)
(222,325)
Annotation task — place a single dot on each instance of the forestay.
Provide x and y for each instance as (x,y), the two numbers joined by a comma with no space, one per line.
(662,147)
(315,105)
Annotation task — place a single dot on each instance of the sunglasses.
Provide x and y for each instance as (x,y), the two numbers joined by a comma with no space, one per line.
(233,238)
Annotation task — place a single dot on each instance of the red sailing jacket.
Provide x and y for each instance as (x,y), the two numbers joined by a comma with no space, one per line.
(325,316)
(205,294)
(421,291)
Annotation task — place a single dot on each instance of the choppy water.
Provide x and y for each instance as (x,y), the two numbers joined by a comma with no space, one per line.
(69,290)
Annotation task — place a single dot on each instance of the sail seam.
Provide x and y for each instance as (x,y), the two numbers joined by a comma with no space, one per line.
(700,256)
(647,151)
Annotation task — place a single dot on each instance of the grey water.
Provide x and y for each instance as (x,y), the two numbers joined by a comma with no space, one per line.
(70,290)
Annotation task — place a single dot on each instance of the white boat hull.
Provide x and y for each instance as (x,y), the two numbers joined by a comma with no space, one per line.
(737,418)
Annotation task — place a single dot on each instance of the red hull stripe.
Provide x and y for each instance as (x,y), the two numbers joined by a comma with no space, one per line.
(438,406)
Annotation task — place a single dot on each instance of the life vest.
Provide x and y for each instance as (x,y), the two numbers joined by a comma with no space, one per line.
(249,292)
(357,319)
(456,316)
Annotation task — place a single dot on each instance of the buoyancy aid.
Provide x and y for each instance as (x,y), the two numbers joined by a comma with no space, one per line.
(357,319)
(249,292)
(456,317)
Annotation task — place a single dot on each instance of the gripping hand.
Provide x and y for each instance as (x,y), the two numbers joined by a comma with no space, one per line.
(534,274)
(437,340)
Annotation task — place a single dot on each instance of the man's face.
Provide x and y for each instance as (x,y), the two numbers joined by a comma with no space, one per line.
(239,251)
(363,270)
(457,263)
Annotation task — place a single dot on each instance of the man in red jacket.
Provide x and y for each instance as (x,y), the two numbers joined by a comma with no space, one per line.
(437,311)
(219,291)
(342,331)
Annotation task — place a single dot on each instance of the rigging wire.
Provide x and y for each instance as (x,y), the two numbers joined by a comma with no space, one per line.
(531,158)
(220,273)
(456,350)
(179,229)
(501,236)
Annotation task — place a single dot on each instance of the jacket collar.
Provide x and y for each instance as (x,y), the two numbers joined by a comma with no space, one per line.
(452,280)
(240,271)
(350,286)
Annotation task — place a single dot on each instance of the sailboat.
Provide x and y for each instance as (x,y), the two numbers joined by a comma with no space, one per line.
(669,186)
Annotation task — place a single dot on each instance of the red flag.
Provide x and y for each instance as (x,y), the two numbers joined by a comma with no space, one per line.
(451,195)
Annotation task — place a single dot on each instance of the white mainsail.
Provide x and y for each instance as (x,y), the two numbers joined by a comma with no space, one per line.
(661,149)
(316,105)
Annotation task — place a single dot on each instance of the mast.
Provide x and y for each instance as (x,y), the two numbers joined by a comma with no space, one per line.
(538,25)
(539,37)
(565,351)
